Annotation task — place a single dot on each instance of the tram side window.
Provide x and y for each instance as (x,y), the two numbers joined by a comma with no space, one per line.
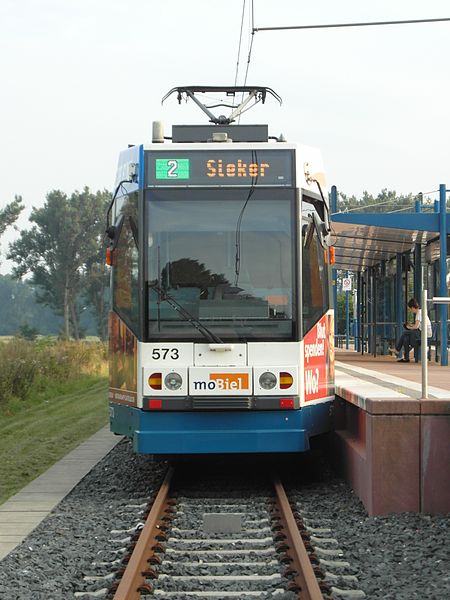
(315,283)
(125,272)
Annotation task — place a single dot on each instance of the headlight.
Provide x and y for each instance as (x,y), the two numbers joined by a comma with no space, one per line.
(173,381)
(267,380)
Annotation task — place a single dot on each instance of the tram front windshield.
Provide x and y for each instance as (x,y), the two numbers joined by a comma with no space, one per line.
(226,256)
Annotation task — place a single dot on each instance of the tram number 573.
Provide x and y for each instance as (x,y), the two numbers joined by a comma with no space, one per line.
(163,353)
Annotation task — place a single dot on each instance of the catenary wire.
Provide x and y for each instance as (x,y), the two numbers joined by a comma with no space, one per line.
(251,40)
(252,37)
(361,24)
(366,206)
(240,42)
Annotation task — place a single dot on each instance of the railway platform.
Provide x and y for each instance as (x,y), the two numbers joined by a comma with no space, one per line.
(25,510)
(392,446)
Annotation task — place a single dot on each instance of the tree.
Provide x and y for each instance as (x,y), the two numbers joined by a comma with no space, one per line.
(340,311)
(10,213)
(96,289)
(96,274)
(56,250)
(385,201)
(19,307)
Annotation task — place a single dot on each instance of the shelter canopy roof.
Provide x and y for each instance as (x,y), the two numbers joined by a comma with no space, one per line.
(365,240)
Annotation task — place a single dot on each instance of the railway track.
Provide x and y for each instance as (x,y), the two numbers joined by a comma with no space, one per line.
(230,545)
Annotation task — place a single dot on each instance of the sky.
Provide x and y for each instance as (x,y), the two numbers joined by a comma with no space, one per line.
(82,79)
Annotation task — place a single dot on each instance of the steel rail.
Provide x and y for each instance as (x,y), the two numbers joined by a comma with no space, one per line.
(137,568)
(301,563)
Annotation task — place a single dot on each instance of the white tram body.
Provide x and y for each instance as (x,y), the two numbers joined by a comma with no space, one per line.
(221,332)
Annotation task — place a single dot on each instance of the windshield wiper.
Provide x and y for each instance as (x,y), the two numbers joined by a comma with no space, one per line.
(207,333)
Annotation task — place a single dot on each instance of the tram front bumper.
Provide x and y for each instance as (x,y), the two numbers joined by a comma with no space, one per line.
(220,432)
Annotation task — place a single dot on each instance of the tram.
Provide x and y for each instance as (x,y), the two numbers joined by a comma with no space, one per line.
(221,331)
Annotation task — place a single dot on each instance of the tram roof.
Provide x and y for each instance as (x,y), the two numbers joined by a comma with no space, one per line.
(366,239)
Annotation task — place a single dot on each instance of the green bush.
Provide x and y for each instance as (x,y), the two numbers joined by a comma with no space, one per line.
(28,333)
(18,369)
(27,365)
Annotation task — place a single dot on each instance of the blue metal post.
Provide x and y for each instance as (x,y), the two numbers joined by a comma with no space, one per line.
(418,261)
(369,310)
(443,272)
(333,203)
(347,317)
(417,271)
(358,313)
(399,293)
(383,285)
(363,308)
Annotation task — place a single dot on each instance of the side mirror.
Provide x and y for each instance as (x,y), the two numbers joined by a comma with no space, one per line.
(308,231)
(113,231)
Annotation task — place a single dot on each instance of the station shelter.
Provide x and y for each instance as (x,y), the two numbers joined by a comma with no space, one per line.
(389,258)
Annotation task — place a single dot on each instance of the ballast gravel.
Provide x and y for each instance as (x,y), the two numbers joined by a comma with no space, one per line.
(51,563)
(400,557)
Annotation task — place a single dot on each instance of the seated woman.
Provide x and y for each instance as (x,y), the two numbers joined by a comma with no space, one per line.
(411,333)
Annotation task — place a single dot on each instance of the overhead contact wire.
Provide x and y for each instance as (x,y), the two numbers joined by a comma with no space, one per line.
(361,24)
(240,43)
(251,42)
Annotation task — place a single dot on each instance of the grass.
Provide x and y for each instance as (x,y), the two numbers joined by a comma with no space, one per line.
(45,429)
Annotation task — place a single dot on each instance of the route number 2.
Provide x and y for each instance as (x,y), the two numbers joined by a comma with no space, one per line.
(173,166)
(163,353)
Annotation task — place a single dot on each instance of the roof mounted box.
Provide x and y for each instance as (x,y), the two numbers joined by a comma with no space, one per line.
(203,133)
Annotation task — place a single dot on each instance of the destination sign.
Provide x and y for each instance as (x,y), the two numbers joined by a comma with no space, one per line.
(219,168)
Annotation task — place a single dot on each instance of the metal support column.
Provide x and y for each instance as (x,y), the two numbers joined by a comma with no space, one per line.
(443,272)
(370,310)
(417,270)
(418,259)
(358,313)
(383,287)
(399,294)
(424,345)
(363,308)
(374,311)
(347,316)
(333,203)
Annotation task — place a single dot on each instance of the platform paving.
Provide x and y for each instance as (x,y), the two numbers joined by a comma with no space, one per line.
(25,510)
(384,371)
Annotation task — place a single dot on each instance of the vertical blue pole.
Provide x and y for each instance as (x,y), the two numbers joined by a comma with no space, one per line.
(369,309)
(435,271)
(399,294)
(334,271)
(443,272)
(347,317)
(417,271)
(418,260)
(358,313)
(383,285)
(374,310)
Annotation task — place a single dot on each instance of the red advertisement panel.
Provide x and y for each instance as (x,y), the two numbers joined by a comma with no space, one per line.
(319,359)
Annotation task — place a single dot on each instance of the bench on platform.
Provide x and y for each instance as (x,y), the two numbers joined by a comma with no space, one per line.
(432,341)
